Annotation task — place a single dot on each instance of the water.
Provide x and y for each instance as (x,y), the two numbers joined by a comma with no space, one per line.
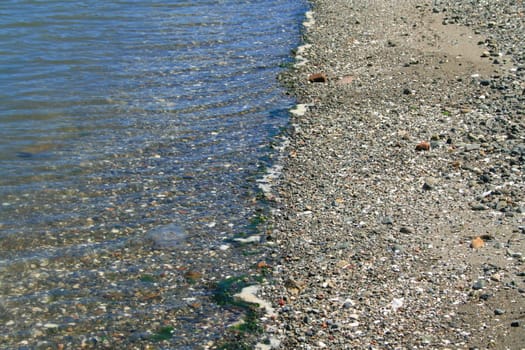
(131,136)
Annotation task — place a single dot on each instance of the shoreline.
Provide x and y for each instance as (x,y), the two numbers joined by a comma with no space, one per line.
(398,220)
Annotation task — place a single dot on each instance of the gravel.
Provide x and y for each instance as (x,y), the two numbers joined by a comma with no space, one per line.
(372,238)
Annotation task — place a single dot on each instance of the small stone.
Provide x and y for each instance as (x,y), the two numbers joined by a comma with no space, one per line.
(428,186)
(499,312)
(496,277)
(423,146)
(485,296)
(405,229)
(294,287)
(513,254)
(387,220)
(515,324)
(426,340)
(51,325)
(478,207)
(263,265)
(485,178)
(472,147)
(193,275)
(397,248)
(501,205)
(317,78)
(348,304)
(477,243)
(342,264)
(480,284)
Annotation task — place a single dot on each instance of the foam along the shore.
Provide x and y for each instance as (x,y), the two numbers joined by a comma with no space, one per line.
(300,55)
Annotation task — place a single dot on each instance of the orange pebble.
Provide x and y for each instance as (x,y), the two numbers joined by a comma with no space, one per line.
(262,265)
(477,243)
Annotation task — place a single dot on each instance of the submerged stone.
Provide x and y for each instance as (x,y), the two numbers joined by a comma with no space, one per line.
(166,237)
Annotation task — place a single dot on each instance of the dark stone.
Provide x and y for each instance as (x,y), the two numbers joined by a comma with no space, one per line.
(405,230)
(499,312)
(427,186)
(485,296)
(485,178)
(478,285)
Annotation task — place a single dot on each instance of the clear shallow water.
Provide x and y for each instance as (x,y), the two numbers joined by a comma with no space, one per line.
(120,120)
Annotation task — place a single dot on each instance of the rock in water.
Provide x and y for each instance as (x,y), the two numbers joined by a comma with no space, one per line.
(166,236)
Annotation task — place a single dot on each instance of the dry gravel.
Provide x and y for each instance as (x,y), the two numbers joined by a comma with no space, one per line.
(372,238)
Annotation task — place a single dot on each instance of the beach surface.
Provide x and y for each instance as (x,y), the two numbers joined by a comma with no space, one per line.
(398,219)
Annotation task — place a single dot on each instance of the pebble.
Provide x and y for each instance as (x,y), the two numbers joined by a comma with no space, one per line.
(429,184)
(405,229)
(479,284)
(499,312)
(477,243)
(472,147)
(51,325)
(423,146)
(318,78)
(485,296)
(387,220)
(478,206)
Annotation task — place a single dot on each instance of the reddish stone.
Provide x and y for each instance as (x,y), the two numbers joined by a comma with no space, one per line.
(317,78)
(423,146)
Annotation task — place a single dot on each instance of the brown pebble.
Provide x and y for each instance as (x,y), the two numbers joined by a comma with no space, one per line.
(477,243)
(423,146)
(262,265)
(193,275)
(317,78)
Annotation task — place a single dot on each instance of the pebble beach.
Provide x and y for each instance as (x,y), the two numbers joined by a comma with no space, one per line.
(399,217)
